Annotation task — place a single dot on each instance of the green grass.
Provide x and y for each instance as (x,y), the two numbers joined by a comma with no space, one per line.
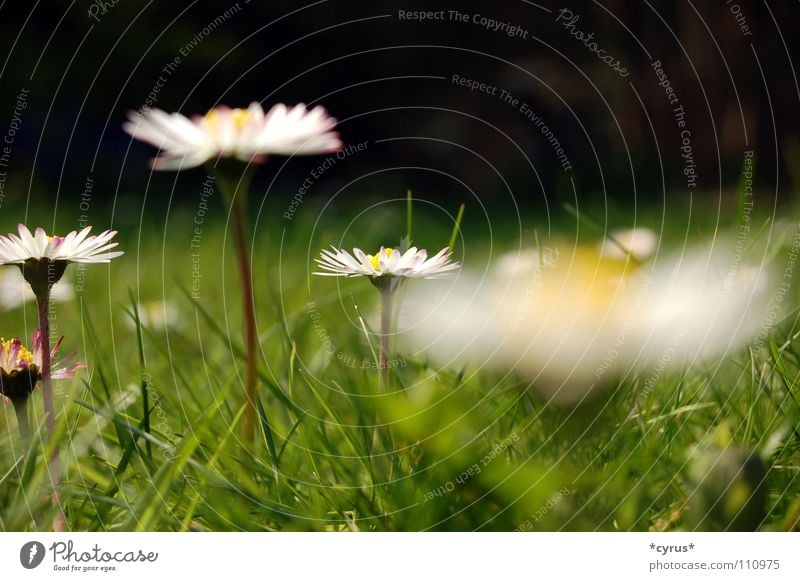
(151,434)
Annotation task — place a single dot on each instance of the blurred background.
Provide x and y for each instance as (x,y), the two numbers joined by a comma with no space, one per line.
(81,66)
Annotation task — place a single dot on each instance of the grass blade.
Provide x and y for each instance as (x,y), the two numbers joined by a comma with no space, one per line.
(456,227)
(268,440)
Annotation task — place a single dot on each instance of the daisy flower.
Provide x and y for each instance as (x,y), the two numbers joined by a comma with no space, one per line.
(387,269)
(44,258)
(573,324)
(249,135)
(74,247)
(387,262)
(18,372)
(16,361)
(21,369)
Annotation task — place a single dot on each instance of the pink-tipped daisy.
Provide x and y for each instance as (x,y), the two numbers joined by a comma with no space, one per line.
(20,369)
(249,135)
(44,258)
(74,247)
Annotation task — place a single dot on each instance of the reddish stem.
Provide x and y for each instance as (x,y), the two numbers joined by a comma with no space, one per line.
(43,302)
(250,335)
(234,192)
(47,387)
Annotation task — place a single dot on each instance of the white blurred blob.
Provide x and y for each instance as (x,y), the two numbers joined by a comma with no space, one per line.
(15,292)
(640,242)
(699,307)
(157,316)
(571,319)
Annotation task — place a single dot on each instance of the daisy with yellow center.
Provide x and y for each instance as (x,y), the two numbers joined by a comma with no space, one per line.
(249,135)
(387,262)
(43,260)
(13,356)
(570,319)
(220,138)
(375,259)
(21,369)
(387,269)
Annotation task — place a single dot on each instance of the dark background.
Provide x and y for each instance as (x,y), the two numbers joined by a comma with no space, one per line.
(373,72)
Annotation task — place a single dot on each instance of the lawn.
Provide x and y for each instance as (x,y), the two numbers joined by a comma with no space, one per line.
(150,432)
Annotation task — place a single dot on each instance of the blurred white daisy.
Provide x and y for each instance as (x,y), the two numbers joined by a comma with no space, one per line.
(249,135)
(526,262)
(700,305)
(571,324)
(15,292)
(388,262)
(157,315)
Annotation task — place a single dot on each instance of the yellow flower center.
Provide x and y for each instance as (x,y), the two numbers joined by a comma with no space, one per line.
(23,355)
(240,117)
(374,259)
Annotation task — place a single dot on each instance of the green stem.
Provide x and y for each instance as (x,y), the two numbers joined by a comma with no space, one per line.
(21,409)
(386,334)
(235,192)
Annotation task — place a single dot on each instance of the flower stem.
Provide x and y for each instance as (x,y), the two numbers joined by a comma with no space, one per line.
(251,339)
(43,302)
(21,409)
(235,192)
(386,333)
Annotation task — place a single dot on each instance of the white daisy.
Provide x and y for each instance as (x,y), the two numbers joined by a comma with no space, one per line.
(249,135)
(388,262)
(43,259)
(573,324)
(387,270)
(74,247)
